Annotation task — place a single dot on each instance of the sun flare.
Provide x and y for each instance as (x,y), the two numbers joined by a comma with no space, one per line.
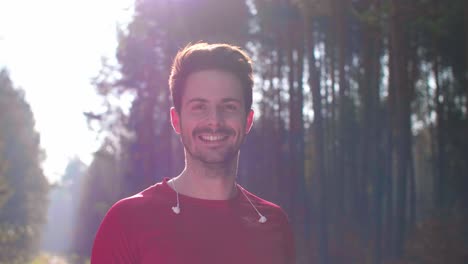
(52,49)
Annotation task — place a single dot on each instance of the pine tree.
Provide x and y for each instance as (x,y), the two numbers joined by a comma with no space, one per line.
(23,187)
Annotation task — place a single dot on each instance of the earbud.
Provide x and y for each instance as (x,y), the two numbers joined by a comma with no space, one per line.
(262,219)
(176,209)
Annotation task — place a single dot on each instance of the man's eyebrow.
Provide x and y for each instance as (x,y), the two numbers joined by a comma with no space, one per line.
(201,100)
(196,100)
(229,100)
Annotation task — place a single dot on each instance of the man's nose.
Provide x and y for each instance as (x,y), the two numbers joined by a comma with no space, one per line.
(215,117)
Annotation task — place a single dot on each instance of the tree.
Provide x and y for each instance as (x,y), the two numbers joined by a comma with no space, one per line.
(24,187)
(102,186)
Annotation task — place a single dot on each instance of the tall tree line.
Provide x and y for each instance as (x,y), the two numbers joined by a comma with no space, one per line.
(23,187)
(361,113)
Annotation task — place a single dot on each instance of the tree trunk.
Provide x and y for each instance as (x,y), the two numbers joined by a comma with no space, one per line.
(439,101)
(402,113)
(279,119)
(341,175)
(414,77)
(466,61)
(391,139)
(292,117)
(370,136)
(146,135)
(314,83)
(466,69)
(331,122)
(302,184)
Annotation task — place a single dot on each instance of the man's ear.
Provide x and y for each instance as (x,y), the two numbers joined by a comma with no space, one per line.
(250,118)
(175,120)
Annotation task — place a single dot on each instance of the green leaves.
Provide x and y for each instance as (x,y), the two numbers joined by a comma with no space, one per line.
(23,187)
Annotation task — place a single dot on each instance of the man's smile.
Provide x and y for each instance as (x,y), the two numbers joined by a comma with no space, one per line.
(213,138)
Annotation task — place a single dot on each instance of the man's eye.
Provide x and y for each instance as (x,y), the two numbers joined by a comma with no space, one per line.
(230,107)
(198,107)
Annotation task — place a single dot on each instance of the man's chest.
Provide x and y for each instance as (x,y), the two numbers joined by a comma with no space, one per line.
(217,239)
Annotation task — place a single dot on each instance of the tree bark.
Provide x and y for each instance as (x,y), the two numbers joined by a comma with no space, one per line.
(439,101)
(466,61)
(314,83)
(341,175)
(372,175)
(291,46)
(399,69)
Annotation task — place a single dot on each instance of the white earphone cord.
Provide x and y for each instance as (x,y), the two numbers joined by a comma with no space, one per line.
(262,219)
(176,209)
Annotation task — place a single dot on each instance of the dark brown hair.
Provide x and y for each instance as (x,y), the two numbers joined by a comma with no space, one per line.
(204,56)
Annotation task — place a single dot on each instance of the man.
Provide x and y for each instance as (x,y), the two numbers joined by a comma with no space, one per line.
(202,216)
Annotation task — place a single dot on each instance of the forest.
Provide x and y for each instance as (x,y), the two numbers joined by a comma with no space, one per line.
(360,131)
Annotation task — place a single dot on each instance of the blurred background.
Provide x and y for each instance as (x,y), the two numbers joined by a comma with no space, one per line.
(361,130)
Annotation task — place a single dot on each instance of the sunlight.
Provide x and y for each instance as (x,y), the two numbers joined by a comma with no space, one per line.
(52,49)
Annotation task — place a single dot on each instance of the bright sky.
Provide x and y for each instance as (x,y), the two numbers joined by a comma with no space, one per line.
(52,48)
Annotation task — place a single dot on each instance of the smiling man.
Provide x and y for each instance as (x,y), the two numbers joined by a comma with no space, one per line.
(201,216)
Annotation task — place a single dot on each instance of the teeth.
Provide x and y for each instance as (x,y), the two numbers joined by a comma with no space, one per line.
(212,138)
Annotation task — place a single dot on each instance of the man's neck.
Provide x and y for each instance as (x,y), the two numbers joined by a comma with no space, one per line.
(207,181)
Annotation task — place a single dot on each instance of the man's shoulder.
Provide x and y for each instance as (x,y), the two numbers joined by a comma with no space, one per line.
(273,212)
(262,202)
(138,203)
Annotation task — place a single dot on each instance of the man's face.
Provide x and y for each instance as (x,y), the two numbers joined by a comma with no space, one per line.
(212,121)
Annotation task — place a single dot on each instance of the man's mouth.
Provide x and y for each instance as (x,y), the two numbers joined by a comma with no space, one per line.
(213,138)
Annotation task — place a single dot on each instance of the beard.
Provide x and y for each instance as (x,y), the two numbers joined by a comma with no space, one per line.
(223,154)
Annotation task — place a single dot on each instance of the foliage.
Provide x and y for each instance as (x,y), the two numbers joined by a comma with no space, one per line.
(23,185)
(101,187)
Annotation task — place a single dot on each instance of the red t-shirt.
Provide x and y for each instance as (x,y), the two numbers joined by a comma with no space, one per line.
(143,229)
